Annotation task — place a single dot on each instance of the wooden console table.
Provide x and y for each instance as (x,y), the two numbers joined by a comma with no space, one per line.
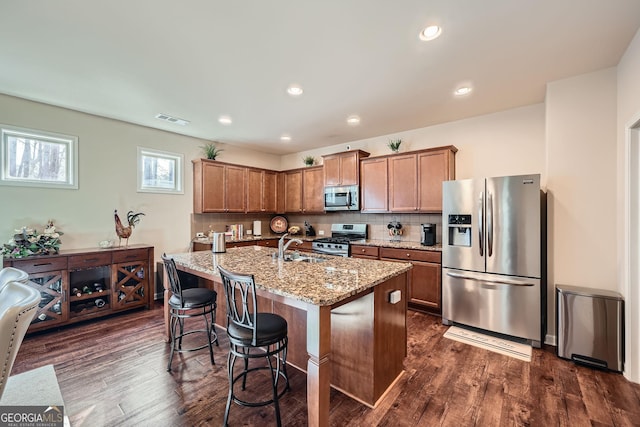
(106,281)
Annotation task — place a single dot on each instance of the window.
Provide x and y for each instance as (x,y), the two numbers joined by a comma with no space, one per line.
(38,159)
(159,171)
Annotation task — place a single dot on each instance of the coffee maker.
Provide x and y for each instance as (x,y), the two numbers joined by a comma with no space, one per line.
(428,235)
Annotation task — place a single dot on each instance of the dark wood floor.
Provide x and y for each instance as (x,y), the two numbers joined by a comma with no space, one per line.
(112,373)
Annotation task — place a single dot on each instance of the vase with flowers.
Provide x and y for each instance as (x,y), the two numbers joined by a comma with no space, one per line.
(28,241)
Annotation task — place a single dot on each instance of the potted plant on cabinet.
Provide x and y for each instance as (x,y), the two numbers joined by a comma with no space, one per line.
(394,144)
(309,160)
(211,150)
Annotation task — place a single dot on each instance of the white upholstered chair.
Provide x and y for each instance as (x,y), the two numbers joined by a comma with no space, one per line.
(18,306)
(10,274)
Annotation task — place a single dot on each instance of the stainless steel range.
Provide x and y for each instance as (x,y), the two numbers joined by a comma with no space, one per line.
(341,237)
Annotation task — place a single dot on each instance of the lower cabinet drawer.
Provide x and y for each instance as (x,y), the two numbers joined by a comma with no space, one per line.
(41,265)
(366,251)
(130,255)
(411,255)
(79,262)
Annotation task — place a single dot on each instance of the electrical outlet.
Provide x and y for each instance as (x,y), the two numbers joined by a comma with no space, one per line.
(320,232)
(199,235)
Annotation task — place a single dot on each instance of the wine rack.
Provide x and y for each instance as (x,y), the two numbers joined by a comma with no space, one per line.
(79,285)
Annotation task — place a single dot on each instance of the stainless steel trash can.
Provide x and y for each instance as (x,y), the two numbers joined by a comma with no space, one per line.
(590,326)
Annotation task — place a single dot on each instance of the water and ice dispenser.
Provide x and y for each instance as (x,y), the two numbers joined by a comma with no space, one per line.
(459,230)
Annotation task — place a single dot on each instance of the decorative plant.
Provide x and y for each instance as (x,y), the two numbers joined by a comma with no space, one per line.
(27,241)
(309,160)
(394,144)
(211,150)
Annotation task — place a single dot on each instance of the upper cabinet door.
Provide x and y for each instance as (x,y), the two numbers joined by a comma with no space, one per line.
(349,168)
(235,188)
(212,188)
(269,192)
(312,190)
(331,170)
(293,191)
(374,185)
(403,183)
(434,168)
(254,190)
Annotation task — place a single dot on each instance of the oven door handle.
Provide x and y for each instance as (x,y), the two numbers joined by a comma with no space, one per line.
(329,252)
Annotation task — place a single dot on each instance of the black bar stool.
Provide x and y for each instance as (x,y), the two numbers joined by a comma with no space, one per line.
(253,335)
(187,303)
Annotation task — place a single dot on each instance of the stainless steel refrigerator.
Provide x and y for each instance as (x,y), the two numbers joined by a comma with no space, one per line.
(494,256)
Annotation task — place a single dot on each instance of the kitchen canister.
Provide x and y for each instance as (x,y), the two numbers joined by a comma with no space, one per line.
(218,245)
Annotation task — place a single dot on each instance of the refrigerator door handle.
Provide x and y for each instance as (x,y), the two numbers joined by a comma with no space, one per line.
(480,223)
(489,224)
(497,281)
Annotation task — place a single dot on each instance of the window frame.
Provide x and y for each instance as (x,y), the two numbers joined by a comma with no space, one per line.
(178,183)
(70,141)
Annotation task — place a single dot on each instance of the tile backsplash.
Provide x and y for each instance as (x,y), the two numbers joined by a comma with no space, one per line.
(377,223)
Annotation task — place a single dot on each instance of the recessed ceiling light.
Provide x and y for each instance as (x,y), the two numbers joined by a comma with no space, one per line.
(462,90)
(353,120)
(225,120)
(285,138)
(294,90)
(430,33)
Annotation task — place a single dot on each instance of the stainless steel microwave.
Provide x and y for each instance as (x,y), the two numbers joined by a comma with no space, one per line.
(345,198)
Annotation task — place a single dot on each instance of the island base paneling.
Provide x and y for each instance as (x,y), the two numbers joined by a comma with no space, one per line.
(368,338)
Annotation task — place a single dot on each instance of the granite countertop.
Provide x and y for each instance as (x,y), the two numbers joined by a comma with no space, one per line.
(321,283)
(367,242)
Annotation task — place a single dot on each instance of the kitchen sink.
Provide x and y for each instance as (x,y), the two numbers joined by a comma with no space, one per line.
(309,259)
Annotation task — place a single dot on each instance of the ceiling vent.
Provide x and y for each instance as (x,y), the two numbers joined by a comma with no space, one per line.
(170,119)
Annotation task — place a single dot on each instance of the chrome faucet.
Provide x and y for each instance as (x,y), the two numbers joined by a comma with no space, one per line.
(283,247)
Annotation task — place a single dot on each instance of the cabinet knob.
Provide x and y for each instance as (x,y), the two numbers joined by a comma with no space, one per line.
(362,249)
(408,255)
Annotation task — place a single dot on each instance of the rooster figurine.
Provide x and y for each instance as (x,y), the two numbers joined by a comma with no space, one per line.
(124,232)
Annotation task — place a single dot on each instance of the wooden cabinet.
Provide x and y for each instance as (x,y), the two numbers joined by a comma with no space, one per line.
(374,185)
(425,278)
(261,191)
(434,167)
(218,187)
(403,183)
(303,190)
(293,191)
(366,252)
(305,246)
(48,275)
(271,243)
(86,284)
(411,182)
(313,190)
(235,188)
(343,168)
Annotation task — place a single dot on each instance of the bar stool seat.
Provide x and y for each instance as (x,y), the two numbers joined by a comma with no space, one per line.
(185,304)
(253,335)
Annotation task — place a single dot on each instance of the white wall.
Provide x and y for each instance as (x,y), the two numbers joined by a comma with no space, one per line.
(628,241)
(107,180)
(505,143)
(581,185)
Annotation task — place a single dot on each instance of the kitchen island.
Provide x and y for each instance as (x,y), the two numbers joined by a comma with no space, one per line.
(346,317)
